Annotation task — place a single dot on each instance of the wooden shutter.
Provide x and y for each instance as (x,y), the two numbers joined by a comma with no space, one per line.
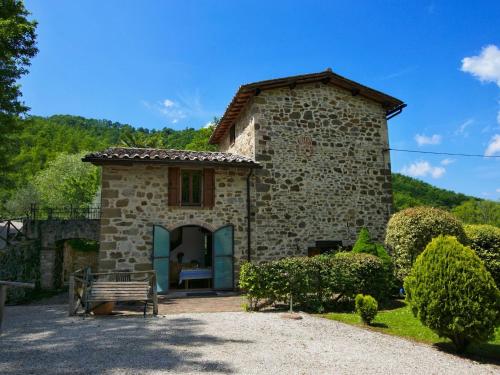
(173,186)
(208,187)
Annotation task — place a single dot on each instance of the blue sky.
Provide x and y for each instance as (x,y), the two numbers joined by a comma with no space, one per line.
(178,64)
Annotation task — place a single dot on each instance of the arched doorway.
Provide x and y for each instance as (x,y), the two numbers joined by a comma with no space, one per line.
(72,254)
(193,257)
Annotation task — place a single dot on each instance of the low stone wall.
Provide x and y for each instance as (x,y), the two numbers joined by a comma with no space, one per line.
(20,262)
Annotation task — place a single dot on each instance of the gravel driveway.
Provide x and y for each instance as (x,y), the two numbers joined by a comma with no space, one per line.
(42,339)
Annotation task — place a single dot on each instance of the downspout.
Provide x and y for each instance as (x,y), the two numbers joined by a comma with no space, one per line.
(249,227)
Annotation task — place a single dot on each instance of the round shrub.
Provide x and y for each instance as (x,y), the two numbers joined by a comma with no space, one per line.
(485,241)
(409,231)
(451,292)
(366,307)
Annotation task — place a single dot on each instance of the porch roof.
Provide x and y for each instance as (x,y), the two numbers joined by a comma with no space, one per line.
(163,156)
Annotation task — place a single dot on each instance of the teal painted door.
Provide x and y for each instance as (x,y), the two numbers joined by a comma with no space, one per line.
(161,257)
(223,248)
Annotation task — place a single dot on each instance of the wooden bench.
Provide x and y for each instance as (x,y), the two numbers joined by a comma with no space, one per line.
(119,291)
(88,289)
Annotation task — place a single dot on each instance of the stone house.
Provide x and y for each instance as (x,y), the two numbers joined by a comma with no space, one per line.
(303,165)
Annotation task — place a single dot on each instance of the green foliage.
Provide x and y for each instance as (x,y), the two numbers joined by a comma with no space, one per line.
(478,212)
(409,231)
(314,282)
(17,47)
(66,181)
(451,292)
(366,307)
(485,241)
(410,192)
(21,262)
(364,244)
(79,244)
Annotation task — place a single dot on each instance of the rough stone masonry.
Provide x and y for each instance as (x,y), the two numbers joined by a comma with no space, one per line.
(326,169)
(325,174)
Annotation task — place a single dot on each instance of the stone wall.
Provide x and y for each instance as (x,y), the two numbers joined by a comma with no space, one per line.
(51,234)
(244,143)
(134,198)
(326,174)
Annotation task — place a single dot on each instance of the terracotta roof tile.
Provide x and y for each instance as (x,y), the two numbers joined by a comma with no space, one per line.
(125,154)
(247,91)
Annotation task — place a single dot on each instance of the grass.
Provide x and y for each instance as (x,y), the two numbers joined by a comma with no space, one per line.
(401,322)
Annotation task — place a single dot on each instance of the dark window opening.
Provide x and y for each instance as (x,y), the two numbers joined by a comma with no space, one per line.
(323,247)
(232,134)
(191,181)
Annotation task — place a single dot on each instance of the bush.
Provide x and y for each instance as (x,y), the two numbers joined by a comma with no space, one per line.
(313,282)
(409,231)
(366,307)
(364,244)
(451,292)
(485,241)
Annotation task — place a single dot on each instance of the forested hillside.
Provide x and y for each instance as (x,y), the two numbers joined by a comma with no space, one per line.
(410,192)
(49,144)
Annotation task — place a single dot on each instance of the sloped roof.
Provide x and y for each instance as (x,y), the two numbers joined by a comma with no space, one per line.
(154,155)
(245,92)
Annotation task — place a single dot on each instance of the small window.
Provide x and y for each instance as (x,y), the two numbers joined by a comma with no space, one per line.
(191,182)
(232,134)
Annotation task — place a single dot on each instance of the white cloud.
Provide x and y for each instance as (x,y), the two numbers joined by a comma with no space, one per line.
(425,140)
(168,103)
(493,147)
(498,118)
(461,129)
(498,190)
(447,161)
(486,66)
(422,169)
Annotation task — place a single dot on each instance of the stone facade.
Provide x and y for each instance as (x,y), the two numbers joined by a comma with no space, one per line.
(134,198)
(326,172)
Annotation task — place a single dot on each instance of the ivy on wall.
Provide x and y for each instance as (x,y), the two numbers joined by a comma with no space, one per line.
(21,262)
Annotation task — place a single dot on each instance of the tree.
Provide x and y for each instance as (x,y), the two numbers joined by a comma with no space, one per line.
(409,231)
(452,293)
(17,47)
(67,181)
(485,241)
(478,212)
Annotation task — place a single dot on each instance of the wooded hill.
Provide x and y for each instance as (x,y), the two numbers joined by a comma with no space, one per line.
(42,139)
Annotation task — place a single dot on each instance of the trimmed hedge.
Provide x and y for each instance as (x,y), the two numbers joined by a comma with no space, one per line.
(485,241)
(451,292)
(314,281)
(409,231)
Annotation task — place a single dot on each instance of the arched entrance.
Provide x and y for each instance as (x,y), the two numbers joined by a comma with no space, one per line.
(192,257)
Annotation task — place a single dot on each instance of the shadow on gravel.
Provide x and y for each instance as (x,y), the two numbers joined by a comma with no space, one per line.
(484,353)
(53,343)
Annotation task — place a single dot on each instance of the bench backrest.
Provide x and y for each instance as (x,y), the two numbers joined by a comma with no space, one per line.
(119,291)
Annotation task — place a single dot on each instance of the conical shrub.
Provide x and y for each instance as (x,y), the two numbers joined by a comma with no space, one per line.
(451,292)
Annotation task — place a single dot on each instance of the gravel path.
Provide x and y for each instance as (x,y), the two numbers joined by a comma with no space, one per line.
(42,339)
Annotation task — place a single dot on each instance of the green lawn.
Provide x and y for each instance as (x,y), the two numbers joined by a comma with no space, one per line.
(401,322)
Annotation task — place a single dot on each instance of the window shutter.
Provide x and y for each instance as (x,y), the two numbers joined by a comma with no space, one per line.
(173,186)
(208,187)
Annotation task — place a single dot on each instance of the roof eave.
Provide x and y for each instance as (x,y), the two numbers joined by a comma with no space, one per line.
(109,161)
(249,90)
